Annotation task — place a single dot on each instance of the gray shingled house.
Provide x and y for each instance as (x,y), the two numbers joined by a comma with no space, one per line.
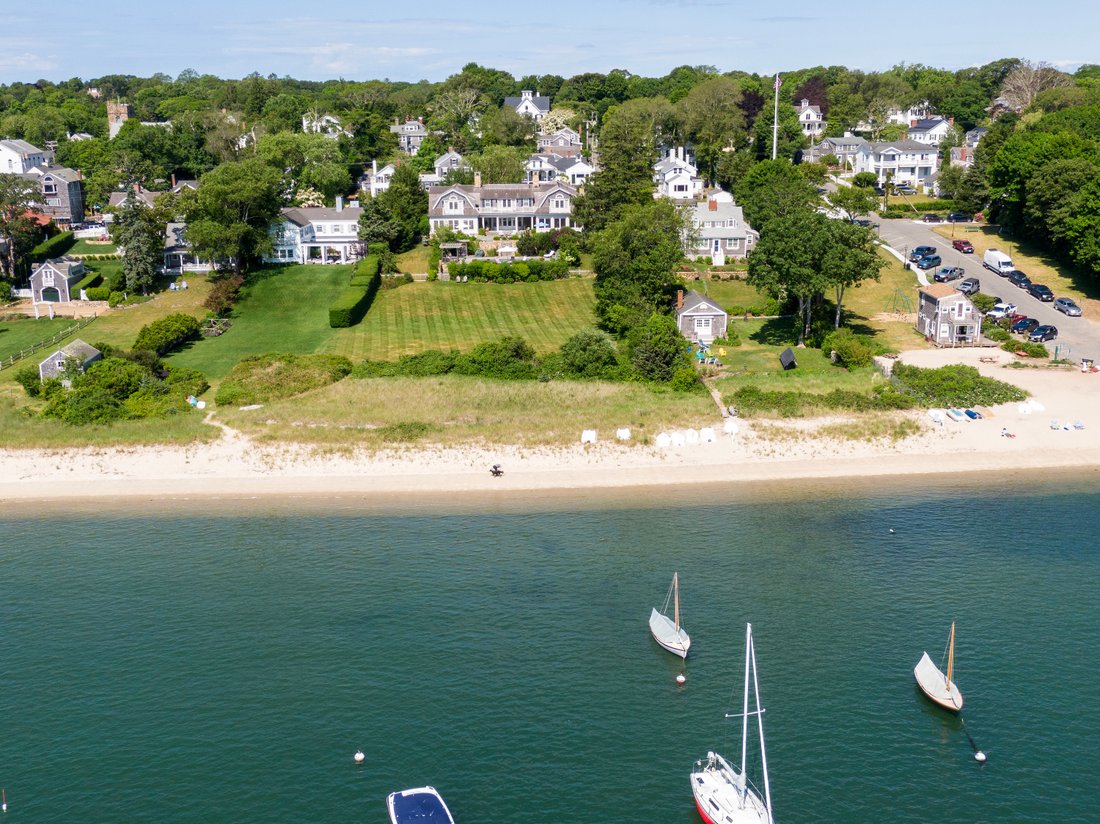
(54,363)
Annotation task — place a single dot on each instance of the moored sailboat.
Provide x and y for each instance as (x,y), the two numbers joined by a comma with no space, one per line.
(936,684)
(724,794)
(667,631)
(421,805)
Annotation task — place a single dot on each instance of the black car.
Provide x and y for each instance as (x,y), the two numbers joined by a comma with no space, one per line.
(1024,326)
(1043,333)
(932,217)
(1018,278)
(921,251)
(1043,293)
(948,273)
(959,217)
(970,286)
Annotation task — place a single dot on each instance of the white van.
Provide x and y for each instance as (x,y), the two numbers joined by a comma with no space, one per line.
(998,262)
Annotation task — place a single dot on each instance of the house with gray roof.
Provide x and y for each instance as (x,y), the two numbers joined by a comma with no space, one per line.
(699,318)
(676,176)
(975,135)
(410,134)
(52,281)
(546,168)
(719,230)
(449,161)
(564,142)
(530,104)
(901,161)
(501,207)
(179,257)
(947,317)
(316,234)
(19,157)
(62,192)
(843,148)
(82,353)
(136,193)
(810,119)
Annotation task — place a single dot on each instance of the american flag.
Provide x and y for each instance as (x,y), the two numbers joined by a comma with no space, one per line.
(778,82)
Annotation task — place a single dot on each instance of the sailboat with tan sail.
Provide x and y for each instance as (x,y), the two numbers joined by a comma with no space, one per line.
(937,685)
(667,631)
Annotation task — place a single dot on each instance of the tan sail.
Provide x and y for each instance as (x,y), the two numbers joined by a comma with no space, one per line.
(951,654)
(676,592)
(935,684)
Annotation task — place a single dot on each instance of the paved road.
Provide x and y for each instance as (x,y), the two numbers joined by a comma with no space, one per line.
(1081,335)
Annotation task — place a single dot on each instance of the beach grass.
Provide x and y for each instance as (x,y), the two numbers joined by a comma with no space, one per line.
(19,430)
(454,410)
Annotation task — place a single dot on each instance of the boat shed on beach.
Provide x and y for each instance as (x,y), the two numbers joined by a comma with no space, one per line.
(54,364)
(699,318)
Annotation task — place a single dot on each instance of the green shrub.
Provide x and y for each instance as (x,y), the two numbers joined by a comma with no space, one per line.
(982,302)
(27,376)
(5,291)
(752,400)
(167,333)
(352,304)
(1032,350)
(263,378)
(99,293)
(996,333)
(84,406)
(87,282)
(510,358)
(51,248)
(730,339)
(852,350)
(117,377)
(685,379)
(393,281)
(954,385)
(589,353)
(657,349)
(482,271)
(224,294)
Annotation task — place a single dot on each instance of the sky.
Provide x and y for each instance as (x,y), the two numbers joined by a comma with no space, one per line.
(432,39)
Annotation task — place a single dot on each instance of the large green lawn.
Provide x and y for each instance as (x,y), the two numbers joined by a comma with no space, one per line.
(286,310)
(22,334)
(446,316)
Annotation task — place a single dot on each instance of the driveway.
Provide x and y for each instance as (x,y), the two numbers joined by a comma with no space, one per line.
(1077,337)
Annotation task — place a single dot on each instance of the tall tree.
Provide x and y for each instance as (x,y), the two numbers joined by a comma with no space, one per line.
(853,201)
(635,259)
(139,233)
(851,259)
(1027,80)
(407,204)
(713,121)
(17,197)
(773,189)
(230,215)
(499,164)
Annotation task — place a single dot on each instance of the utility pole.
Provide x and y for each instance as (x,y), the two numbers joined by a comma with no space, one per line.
(775,121)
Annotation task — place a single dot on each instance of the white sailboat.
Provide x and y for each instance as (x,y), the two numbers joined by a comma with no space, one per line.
(724,794)
(667,631)
(935,684)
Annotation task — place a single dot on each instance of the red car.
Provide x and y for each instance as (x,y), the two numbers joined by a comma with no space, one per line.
(963,246)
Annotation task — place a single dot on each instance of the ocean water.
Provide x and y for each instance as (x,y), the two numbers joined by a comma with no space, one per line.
(222,663)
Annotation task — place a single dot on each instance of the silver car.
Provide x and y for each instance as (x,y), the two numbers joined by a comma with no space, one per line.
(1068,307)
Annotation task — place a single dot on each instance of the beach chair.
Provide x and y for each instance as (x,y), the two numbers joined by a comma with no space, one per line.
(1055,425)
(1078,425)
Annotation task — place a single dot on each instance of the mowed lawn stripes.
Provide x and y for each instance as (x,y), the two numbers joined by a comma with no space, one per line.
(421,316)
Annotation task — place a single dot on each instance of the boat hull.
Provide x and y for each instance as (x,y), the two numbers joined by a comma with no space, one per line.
(935,686)
(421,805)
(720,800)
(664,633)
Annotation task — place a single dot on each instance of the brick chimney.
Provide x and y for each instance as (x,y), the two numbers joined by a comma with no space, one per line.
(477,179)
(713,205)
(679,299)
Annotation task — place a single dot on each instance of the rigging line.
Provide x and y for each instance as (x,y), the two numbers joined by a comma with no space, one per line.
(973,743)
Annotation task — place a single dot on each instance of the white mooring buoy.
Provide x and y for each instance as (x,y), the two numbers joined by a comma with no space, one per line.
(979,756)
(891,532)
(359,757)
(681,679)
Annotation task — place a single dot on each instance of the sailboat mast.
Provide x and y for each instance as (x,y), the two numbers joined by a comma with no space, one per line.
(951,653)
(760,727)
(676,593)
(745,711)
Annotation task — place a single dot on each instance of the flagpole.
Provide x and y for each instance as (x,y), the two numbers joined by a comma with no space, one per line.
(775,122)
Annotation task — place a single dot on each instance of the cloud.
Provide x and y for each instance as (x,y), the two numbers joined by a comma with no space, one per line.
(25,61)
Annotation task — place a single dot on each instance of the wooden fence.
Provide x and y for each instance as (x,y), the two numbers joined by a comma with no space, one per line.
(60,336)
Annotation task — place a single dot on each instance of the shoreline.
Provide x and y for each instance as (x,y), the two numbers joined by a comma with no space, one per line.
(763,452)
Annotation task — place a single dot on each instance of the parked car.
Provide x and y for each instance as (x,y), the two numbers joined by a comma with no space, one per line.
(959,217)
(932,217)
(1024,326)
(970,286)
(1001,310)
(921,251)
(1018,278)
(862,221)
(929,261)
(948,274)
(997,261)
(1067,306)
(1043,293)
(1043,333)
(905,189)
(964,246)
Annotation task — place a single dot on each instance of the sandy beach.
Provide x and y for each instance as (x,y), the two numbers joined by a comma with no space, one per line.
(761,451)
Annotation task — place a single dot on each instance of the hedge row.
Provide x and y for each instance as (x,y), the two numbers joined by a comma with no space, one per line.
(91,279)
(167,333)
(53,247)
(482,271)
(352,304)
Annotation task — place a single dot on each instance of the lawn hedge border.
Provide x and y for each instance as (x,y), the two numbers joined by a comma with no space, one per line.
(53,247)
(352,304)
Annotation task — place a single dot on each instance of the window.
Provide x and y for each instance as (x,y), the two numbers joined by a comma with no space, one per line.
(506,203)
(702,324)
(47,277)
(559,203)
(733,243)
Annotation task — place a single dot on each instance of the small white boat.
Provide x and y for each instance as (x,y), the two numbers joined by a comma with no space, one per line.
(935,684)
(723,794)
(956,415)
(937,415)
(667,631)
(421,805)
